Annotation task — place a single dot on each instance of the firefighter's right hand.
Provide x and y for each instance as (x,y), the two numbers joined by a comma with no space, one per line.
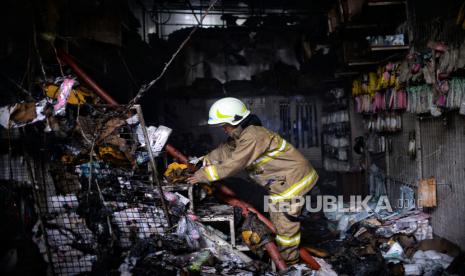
(193,180)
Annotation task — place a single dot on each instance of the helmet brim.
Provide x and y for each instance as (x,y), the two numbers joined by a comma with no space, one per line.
(215,122)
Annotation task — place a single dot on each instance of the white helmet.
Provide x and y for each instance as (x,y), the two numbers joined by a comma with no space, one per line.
(227,111)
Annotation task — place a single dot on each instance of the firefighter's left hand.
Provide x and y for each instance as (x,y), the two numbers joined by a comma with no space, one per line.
(192,180)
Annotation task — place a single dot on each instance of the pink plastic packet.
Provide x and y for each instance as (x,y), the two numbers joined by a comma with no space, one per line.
(63,94)
(441,100)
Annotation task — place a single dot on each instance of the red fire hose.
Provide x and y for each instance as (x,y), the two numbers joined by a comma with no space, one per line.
(308,259)
(65,58)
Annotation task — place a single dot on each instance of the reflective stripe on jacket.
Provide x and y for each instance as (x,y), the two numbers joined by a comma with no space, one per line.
(270,160)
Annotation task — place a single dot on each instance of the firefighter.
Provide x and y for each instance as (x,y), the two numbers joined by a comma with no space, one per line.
(271,162)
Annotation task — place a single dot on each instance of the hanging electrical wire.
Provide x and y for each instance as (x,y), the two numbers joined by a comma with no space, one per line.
(146,87)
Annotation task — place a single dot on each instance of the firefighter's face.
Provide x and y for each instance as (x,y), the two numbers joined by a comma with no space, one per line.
(228,129)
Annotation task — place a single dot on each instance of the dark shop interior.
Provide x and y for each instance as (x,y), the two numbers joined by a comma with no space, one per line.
(232,137)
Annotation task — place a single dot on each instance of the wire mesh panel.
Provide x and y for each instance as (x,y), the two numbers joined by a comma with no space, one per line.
(443,157)
(103,200)
(401,165)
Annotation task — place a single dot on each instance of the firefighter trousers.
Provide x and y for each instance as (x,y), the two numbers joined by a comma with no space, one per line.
(288,230)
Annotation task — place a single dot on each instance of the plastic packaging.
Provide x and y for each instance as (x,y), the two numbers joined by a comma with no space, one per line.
(157,137)
(198,260)
(433,255)
(189,230)
(462,108)
(342,226)
(176,203)
(431,259)
(424,231)
(395,253)
(63,95)
(413,269)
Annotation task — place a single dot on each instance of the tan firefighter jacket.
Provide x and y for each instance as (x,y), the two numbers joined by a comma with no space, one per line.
(270,160)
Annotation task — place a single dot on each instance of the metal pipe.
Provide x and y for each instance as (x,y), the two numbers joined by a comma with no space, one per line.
(179,156)
(65,58)
(153,165)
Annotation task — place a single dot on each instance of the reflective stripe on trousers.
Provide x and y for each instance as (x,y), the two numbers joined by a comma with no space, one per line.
(288,241)
(296,188)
